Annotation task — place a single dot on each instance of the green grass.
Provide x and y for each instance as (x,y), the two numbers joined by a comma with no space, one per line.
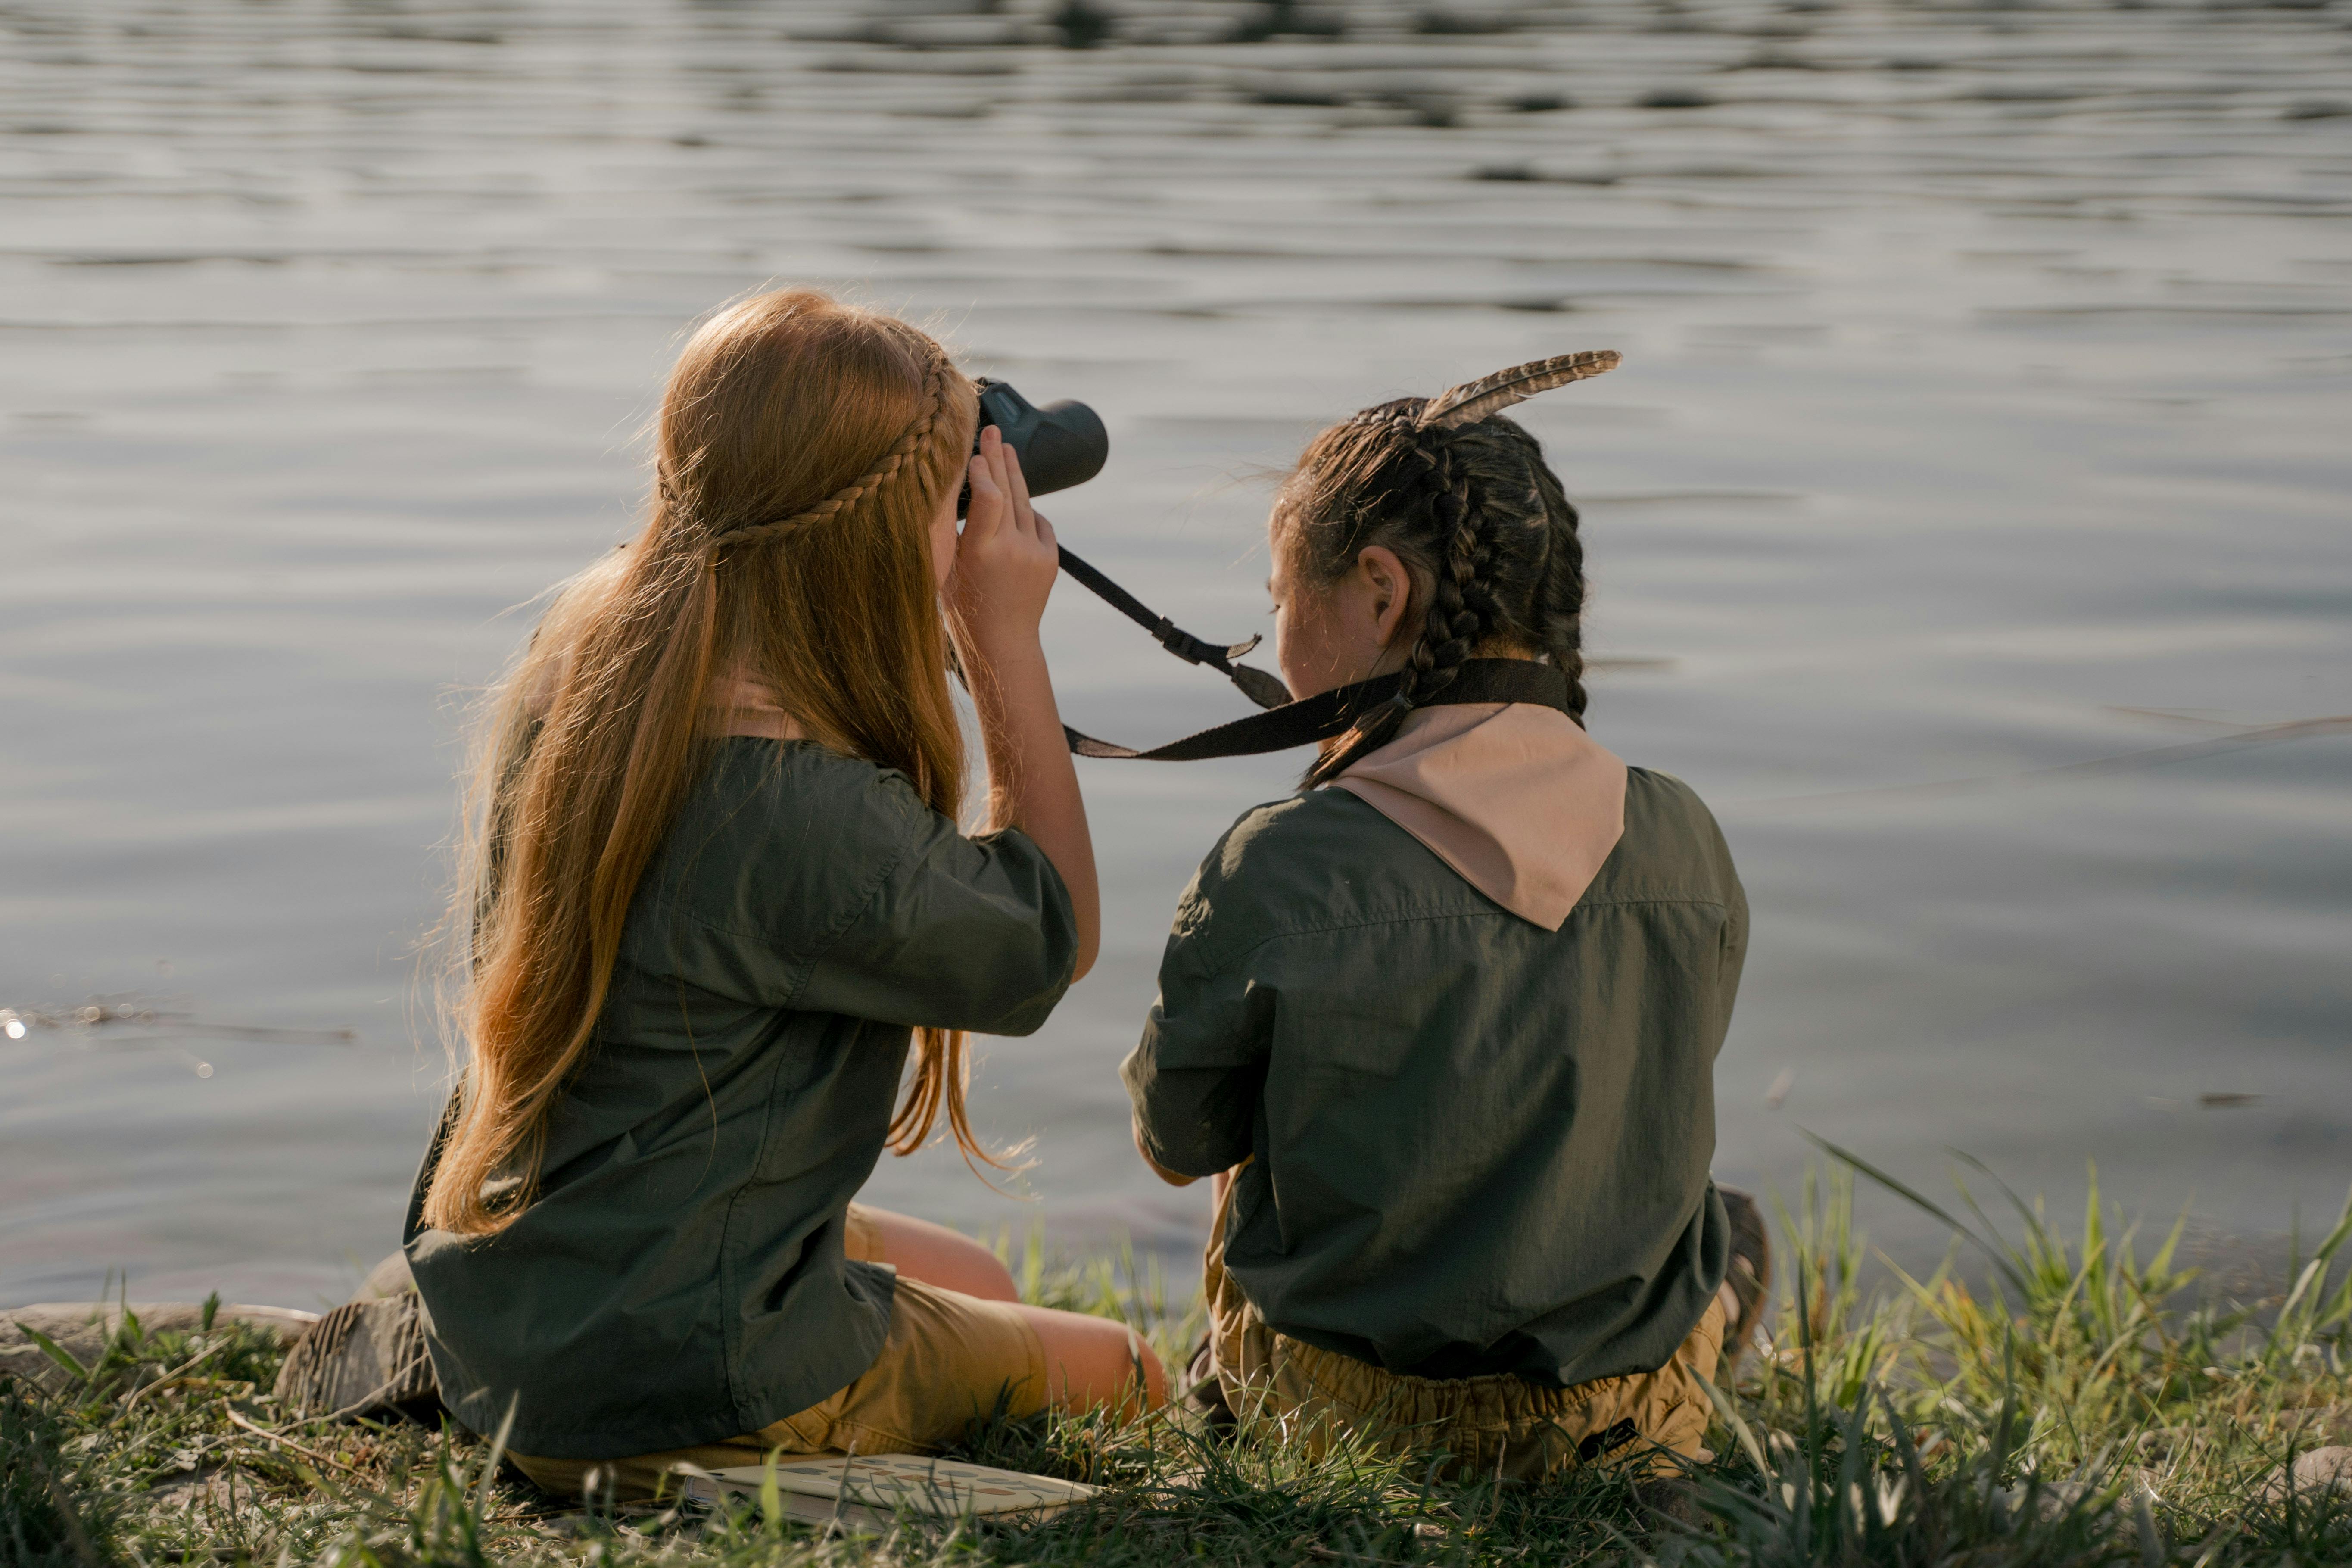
(2090,1404)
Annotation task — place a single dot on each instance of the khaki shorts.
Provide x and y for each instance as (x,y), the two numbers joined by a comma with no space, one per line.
(1500,1425)
(949,1360)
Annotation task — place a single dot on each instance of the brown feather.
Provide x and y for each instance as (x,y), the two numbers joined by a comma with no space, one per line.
(1475,400)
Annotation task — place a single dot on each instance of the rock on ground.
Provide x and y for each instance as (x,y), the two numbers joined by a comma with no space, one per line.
(2315,1474)
(83,1328)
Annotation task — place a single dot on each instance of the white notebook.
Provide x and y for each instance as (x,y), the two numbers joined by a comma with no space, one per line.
(873,1491)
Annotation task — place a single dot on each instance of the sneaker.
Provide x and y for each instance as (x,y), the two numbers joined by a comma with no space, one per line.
(365,1358)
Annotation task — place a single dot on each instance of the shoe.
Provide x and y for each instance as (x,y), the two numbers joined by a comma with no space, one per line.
(365,1358)
(1749,1276)
(1205,1391)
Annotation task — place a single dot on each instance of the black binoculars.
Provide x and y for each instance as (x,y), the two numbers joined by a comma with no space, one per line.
(1061,445)
(1064,444)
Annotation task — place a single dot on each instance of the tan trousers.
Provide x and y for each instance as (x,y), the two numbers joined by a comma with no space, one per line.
(1500,1425)
(948,1361)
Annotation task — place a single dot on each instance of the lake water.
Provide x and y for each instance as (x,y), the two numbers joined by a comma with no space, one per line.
(1985,409)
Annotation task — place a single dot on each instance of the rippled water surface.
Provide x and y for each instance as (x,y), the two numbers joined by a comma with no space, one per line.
(1989,373)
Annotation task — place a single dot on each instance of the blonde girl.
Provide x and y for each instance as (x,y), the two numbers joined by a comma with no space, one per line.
(717,889)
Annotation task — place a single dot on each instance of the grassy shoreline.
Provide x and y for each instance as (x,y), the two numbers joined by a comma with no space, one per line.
(2085,1406)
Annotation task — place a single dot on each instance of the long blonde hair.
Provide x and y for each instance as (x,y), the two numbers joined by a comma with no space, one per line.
(803,446)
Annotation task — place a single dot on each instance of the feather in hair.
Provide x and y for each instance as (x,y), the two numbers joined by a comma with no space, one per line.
(1475,400)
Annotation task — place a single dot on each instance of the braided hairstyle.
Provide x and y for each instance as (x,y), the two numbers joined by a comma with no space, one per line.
(940,378)
(1477,517)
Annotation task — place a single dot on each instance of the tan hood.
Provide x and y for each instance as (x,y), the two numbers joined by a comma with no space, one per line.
(1513,795)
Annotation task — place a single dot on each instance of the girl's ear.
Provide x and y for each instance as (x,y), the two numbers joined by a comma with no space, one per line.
(1391,583)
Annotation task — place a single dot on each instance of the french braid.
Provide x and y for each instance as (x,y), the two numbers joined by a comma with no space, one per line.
(1459,601)
(1559,592)
(885,467)
(1478,517)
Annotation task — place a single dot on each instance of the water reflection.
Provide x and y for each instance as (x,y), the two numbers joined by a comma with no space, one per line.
(1986,377)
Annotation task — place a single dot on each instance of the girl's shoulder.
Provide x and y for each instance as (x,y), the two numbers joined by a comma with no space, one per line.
(803,779)
(1672,848)
(1316,824)
(1319,858)
(1324,856)
(1663,802)
(791,810)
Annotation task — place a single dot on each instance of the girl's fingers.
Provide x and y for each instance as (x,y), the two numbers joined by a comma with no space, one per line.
(1024,516)
(987,508)
(1008,466)
(990,452)
(987,504)
(1001,507)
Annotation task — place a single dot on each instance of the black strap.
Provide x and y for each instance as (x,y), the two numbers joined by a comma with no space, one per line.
(1333,712)
(1255,684)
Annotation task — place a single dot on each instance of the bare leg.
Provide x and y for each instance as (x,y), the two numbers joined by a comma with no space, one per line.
(1092,1362)
(938,1256)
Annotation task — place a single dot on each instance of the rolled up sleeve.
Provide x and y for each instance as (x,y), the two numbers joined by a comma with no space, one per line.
(959,933)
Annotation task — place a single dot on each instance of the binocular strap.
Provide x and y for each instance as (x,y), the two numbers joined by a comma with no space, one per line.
(1333,713)
(1266,691)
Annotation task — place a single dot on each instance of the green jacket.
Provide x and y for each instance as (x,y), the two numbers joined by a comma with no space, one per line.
(1476,1146)
(679,1278)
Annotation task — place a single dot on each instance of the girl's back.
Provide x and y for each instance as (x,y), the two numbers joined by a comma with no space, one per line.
(683,1261)
(1475,1145)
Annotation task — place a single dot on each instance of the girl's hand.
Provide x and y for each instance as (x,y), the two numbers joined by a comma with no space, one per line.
(1135,1125)
(1005,559)
(1006,562)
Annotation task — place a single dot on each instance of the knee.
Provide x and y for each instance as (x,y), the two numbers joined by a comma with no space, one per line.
(938,1256)
(1155,1376)
(1094,1361)
(967,1266)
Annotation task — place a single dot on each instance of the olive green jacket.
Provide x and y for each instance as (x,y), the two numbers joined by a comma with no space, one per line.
(1475,1145)
(679,1277)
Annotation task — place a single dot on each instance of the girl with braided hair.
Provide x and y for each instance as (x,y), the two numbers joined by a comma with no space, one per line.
(717,886)
(1443,1025)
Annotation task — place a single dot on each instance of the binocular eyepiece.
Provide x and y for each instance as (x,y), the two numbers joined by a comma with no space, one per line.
(1061,445)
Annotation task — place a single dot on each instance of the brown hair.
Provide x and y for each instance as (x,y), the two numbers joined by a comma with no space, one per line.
(1478,518)
(803,447)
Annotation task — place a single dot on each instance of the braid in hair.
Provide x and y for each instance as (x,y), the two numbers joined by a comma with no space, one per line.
(1475,515)
(1461,603)
(885,467)
(1559,592)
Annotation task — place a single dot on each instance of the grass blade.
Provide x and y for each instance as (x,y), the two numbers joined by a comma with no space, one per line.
(1739,1428)
(1999,1258)
(55,1352)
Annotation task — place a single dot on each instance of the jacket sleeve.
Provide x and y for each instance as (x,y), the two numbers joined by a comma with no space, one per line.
(1735,943)
(1198,1075)
(1732,954)
(956,933)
